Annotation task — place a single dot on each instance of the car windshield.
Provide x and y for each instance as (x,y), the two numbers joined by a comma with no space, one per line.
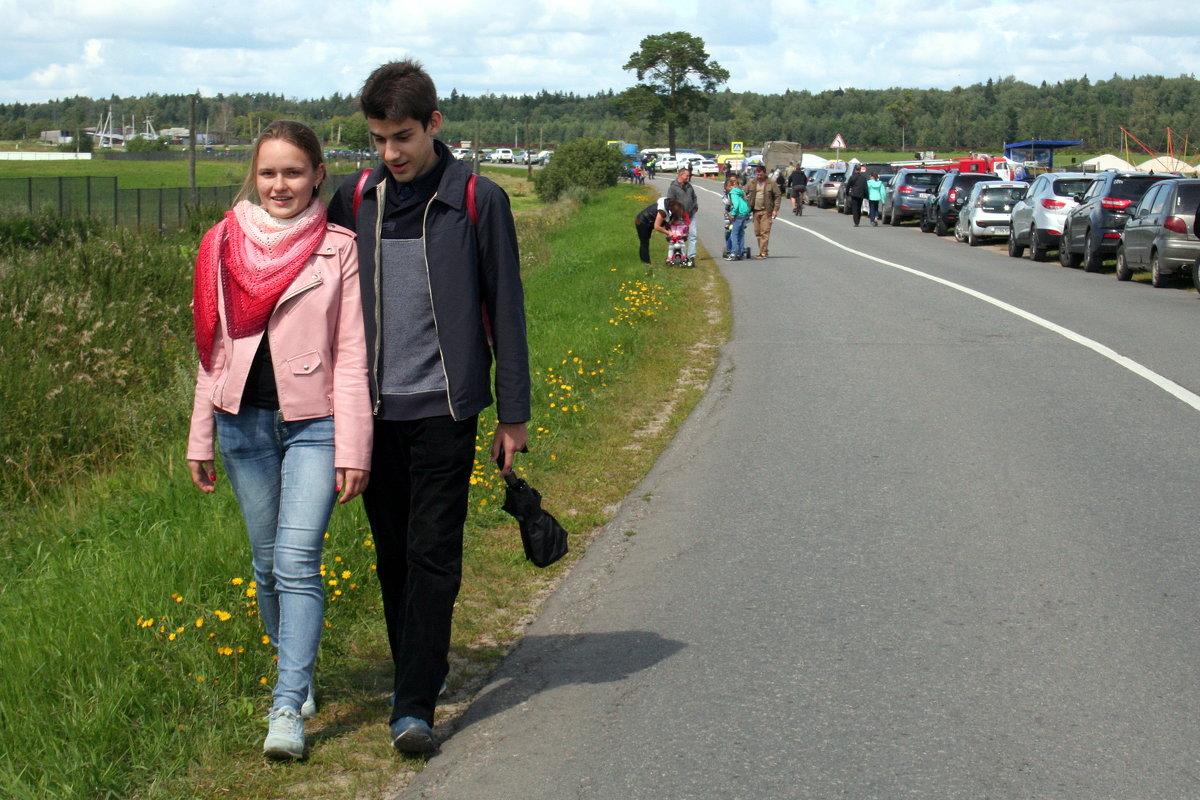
(1131,188)
(926,180)
(995,198)
(1188,200)
(1067,187)
(835,176)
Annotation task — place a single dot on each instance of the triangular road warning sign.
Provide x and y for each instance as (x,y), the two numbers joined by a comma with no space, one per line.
(838,142)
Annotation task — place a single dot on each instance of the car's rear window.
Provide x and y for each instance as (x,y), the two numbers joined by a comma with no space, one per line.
(1131,188)
(1071,186)
(994,198)
(835,176)
(1187,201)
(928,180)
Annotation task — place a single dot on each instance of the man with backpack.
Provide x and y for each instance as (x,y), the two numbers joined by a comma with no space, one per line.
(442,296)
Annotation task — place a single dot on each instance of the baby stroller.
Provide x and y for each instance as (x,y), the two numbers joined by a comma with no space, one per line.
(677,244)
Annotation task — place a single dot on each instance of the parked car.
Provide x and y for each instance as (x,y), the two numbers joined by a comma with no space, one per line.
(823,187)
(1161,232)
(987,212)
(667,163)
(502,155)
(907,192)
(940,212)
(1092,229)
(1037,220)
(543,157)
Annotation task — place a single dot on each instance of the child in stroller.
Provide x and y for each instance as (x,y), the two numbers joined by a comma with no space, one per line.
(677,242)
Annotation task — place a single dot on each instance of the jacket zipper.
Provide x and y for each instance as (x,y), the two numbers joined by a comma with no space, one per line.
(433,308)
(380,190)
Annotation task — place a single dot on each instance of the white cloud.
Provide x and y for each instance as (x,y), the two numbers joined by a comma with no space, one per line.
(58,48)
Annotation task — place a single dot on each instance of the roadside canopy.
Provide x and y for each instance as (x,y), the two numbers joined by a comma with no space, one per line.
(1166,164)
(1108,161)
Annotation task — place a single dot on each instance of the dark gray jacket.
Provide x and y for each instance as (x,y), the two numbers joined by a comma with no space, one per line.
(470,266)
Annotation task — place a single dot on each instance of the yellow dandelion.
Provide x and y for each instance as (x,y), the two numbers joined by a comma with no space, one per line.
(200,678)
(263,681)
(345,574)
(224,616)
(236,581)
(171,638)
(225,650)
(200,622)
(266,639)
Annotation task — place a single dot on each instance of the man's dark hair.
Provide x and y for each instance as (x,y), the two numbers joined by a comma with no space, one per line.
(399,90)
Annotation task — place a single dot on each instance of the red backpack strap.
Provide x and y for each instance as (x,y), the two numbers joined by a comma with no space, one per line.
(358,190)
(472,211)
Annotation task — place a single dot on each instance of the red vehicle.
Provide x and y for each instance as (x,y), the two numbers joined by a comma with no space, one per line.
(976,162)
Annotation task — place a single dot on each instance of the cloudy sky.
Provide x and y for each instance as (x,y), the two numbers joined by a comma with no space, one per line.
(303,49)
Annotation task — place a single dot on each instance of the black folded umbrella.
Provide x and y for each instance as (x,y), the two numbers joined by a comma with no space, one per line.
(544,539)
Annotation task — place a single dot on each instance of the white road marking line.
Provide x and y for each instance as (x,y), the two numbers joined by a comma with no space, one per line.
(1166,384)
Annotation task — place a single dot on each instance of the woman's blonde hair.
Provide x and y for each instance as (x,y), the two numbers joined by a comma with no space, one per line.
(292,132)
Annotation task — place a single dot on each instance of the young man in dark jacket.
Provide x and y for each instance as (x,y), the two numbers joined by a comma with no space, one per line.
(856,192)
(437,250)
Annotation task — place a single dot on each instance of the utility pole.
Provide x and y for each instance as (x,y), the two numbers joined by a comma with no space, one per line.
(528,155)
(192,148)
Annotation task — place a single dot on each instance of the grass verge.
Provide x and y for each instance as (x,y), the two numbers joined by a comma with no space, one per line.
(136,666)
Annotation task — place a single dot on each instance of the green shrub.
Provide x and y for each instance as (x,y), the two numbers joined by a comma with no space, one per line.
(588,163)
(47,228)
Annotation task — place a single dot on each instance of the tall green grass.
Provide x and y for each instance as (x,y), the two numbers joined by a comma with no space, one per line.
(133,655)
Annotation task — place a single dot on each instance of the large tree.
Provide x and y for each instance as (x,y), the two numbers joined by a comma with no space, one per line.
(675,78)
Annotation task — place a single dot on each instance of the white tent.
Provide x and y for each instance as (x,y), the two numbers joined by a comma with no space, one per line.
(1108,161)
(1165,164)
(813,161)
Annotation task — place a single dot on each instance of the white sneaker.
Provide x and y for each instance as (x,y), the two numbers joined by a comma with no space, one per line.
(285,737)
(309,709)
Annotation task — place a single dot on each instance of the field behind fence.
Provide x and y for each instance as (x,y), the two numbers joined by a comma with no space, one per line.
(163,209)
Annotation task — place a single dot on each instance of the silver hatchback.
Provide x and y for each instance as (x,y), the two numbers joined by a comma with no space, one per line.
(1037,219)
(1161,232)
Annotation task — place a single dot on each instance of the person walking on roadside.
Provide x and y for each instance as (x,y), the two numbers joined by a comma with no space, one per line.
(282,390)
(875,192)
(739,213)
(856,192)
(441,286)
(762,195)
(798,188)
(681,189)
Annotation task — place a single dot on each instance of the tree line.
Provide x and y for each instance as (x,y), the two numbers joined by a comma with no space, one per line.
(979,117)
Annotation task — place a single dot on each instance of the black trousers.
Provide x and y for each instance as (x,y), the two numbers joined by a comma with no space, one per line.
(644,233)
(416,502)
(856,204)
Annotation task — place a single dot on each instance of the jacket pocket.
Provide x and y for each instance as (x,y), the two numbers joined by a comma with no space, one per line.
(305,363)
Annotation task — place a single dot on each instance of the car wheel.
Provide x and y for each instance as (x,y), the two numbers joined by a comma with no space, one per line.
(925,226)
(1015,250)
(939,226)
(1158,279)
(895,220)
(1196,274)
(958,234)
(1124,272)
(1037,252)
(1065,256)
(972,239)
(1091,257)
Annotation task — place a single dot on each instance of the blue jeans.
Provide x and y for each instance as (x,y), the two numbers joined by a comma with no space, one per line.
(737,236)
(283,476)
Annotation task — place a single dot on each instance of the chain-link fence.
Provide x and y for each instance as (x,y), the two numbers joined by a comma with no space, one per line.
(162,210)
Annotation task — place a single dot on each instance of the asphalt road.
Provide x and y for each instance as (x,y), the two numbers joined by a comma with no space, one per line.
(930,534)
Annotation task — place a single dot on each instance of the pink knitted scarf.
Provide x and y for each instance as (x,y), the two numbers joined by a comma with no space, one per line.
(256,257)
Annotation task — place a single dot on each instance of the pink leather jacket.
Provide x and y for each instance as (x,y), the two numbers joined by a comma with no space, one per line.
(318,351)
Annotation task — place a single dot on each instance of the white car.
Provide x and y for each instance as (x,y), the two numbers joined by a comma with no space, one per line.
(667,163)
(502,155)
(1037,220)
(706,167)
(987,212)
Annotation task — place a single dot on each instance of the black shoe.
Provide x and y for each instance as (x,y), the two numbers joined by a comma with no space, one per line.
(412,735)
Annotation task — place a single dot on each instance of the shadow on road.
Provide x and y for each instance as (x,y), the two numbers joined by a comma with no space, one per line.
(542,663)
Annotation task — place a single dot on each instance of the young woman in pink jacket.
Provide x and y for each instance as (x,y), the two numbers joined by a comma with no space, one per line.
(282,387)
